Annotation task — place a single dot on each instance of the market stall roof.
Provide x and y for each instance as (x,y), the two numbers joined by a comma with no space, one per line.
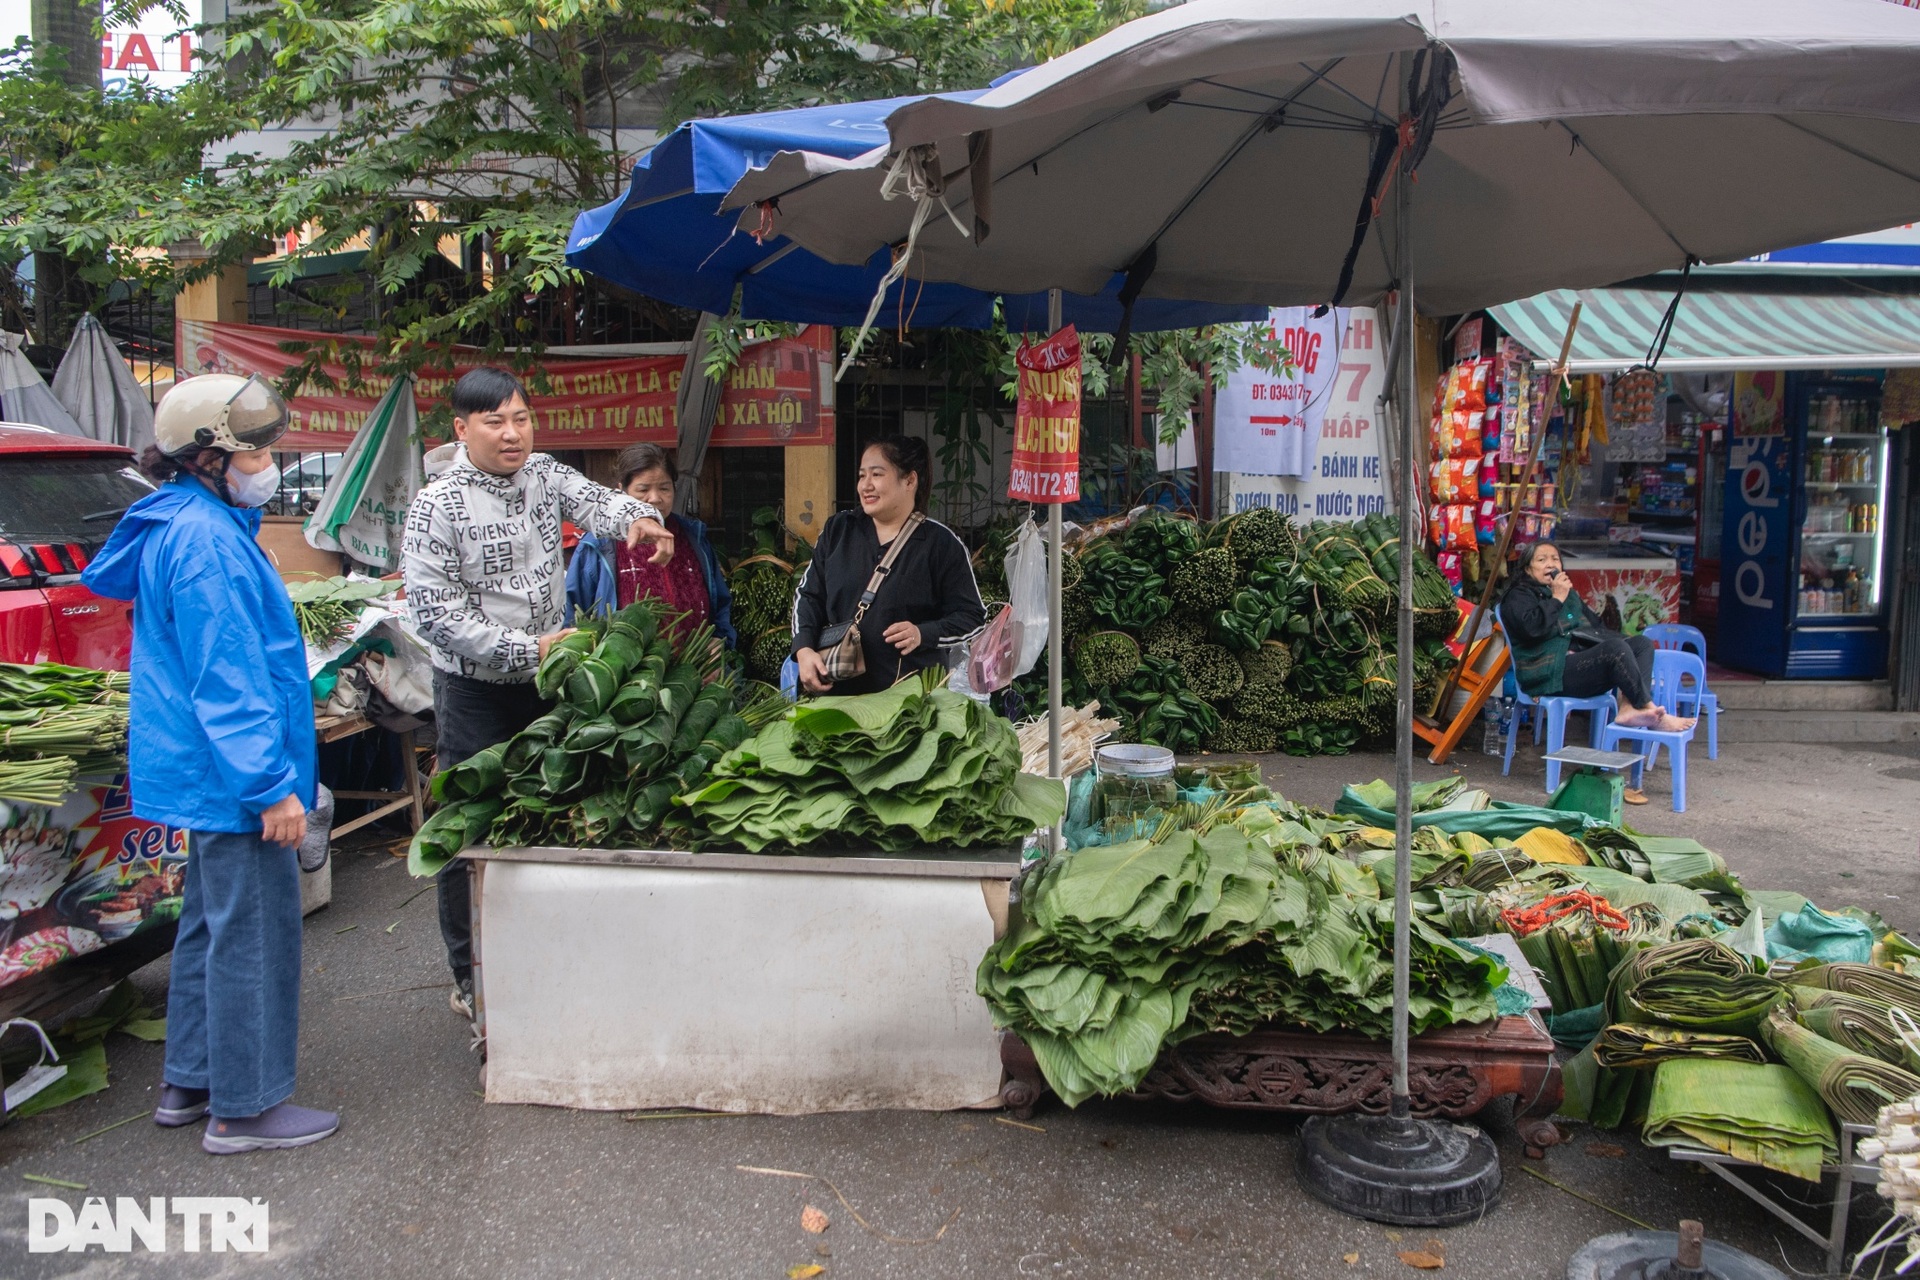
(1722,327)
(665,237)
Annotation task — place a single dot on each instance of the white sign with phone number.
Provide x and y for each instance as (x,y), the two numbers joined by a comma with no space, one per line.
(1345,477)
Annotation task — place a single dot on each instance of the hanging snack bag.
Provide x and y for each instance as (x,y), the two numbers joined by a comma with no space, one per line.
(1473,377)
(1449,562)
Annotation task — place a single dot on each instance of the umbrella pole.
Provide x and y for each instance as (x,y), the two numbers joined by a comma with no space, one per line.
(1056,840)
(1395,1168)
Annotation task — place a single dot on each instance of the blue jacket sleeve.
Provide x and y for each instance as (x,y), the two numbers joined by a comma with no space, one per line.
(229,682)
(590,588)
(719,594)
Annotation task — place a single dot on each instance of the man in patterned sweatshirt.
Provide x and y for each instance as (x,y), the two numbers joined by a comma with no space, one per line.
(486,590)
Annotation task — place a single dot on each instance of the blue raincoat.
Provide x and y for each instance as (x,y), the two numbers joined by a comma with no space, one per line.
(221,717)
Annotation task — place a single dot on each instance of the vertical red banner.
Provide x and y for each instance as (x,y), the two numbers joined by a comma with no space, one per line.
(1046,427)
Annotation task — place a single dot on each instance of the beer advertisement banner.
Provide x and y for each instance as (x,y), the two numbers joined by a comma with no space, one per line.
(774,398)
(1046,427)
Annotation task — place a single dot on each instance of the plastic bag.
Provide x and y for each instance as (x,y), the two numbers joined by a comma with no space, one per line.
(314,845)
(1027,596)
(991,654)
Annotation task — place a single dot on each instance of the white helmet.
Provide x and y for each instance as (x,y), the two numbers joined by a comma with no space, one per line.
(219,411)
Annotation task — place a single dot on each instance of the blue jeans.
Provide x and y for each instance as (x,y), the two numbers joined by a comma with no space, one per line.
(233,1002)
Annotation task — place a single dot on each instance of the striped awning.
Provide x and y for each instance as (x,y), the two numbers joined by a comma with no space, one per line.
(1721,327)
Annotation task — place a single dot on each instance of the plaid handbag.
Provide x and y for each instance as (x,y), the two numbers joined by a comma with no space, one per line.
(840,647)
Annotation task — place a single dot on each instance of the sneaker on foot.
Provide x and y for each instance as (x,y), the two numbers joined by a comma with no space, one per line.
(461,1001)
(180,1106)
(1633,795)
(283,1126)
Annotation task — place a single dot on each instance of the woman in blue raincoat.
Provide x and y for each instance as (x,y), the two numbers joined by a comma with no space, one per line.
(221,745)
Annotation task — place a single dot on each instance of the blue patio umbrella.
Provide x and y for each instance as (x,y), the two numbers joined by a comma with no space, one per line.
(667,239)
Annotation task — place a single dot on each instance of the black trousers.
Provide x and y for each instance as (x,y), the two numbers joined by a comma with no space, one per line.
(1624,663)
(470,716)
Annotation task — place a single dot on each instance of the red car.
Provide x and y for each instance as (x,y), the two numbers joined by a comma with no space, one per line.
(60,497)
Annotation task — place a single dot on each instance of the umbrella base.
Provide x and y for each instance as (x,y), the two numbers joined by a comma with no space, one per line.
(1411,1172)
(1649,1255)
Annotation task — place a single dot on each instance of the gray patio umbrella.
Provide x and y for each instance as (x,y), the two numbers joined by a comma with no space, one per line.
(25,395)
(98,388)
(1241,150)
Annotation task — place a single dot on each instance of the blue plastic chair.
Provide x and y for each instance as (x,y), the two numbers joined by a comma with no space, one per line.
(1557,708)
(1690,700)
(1670,668)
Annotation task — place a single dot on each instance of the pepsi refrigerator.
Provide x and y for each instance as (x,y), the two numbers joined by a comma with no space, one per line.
(1803,553)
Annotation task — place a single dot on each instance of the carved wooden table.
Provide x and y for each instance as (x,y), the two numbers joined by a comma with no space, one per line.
(1452,1072)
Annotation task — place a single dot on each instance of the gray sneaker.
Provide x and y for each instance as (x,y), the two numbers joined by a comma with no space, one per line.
(461,1000)
(277,1127)
(180,1106)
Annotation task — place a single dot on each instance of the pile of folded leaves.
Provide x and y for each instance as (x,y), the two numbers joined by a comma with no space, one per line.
(1121,950)
(915,767)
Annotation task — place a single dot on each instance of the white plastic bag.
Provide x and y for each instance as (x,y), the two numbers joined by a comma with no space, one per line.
(1027,594)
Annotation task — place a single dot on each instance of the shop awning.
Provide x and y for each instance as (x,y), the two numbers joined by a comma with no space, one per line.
(1722,327)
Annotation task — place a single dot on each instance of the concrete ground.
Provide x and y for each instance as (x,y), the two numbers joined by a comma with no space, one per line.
(426,1180)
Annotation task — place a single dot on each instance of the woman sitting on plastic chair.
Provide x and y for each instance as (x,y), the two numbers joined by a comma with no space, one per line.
(1560,648)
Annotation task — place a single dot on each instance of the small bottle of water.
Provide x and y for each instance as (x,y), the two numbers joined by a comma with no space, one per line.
(1494,719)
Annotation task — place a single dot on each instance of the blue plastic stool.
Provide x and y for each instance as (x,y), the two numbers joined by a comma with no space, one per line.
(1670,667)
(1600,707)
(1697,700)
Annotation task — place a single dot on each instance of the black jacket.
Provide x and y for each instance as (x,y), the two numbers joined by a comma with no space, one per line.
(931,585)
(1539,630)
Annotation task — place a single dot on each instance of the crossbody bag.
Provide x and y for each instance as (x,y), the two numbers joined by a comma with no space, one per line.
(840,647)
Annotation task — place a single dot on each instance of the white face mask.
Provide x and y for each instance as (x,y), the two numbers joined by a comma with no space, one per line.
(253,488)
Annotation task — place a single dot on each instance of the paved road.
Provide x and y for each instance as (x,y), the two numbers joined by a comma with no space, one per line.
(425,1180)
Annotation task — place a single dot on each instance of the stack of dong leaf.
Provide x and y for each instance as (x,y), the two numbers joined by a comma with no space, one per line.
(914,767)
(1701,1048)
(638,719)
(1245,635)
(1121,950)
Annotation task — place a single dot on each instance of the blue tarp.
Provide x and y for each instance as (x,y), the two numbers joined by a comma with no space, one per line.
(665,238)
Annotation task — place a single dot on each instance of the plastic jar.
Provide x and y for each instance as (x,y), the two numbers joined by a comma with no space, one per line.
(1133,780)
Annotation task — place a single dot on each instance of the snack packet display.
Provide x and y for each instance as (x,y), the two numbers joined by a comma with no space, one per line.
(1456,480)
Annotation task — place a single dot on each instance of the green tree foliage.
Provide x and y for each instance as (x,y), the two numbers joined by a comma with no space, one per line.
(423,127)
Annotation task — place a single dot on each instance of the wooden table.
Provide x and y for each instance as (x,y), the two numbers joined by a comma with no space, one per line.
(1452,1072)
(332,729)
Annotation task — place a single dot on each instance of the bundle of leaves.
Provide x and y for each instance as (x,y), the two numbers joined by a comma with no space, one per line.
(768,653)
(1241,736)
(1157,708)
(763,587)
(1071,574)
(917,766)
(1332,556)
(1162,541)
(1213,674)
(1379,536)
(1270,705)
(637,719)
(1122,950)
(1107,657)
(1203,583)
(1327,728)
(1076,611)
(1174,638)
(1124,592)
(1318,675)
(1247,621)
(1256,535)
(1271,663)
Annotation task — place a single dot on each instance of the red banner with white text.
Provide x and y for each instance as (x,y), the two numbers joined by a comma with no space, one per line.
(773,398)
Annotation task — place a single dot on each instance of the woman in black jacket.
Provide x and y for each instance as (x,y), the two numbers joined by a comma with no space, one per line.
(1560,648)
(929,596)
